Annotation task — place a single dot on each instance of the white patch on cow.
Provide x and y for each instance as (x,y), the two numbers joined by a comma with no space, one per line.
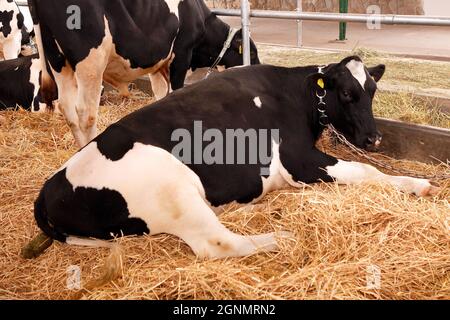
(345,172)
(275,179)
(173,6)
(358,71)
(165,194)
(35,70)
(257,102)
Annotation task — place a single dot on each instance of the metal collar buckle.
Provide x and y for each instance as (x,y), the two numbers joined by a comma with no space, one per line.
(323,118)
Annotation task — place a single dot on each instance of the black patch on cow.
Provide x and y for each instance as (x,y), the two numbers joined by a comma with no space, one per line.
(20,20)
(88,212)
(123,142)
(21,26)
(5,21)
(15,88)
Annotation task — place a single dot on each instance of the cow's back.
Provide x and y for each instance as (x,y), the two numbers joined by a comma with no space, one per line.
(142,31)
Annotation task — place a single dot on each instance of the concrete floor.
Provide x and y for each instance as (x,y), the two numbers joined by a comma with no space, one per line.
(420,41)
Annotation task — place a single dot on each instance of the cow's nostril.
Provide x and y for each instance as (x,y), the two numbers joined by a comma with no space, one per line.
(373,142)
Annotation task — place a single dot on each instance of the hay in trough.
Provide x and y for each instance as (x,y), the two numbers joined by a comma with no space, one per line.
(350,242)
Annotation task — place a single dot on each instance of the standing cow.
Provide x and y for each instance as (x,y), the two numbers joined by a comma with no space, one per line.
(165,167)
(121,40)
(13,31)
(20,85)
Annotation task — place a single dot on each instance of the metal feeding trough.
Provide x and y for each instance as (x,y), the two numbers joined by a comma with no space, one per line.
(403,140)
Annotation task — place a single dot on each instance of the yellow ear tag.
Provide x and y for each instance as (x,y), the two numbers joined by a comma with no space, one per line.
(320,83)
(240,49)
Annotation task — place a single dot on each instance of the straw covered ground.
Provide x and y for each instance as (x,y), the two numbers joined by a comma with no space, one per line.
(347,238)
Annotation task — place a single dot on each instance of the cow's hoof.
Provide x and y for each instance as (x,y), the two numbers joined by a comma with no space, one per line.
(430,191)
(423,188)
(36,246)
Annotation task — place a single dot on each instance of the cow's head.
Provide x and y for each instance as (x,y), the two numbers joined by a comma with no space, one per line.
(234,55)
(350,89)
(208,49)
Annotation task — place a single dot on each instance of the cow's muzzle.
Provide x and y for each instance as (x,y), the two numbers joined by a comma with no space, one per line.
(373,142)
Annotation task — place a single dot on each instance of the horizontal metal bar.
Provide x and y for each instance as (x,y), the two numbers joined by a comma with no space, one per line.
(348,17)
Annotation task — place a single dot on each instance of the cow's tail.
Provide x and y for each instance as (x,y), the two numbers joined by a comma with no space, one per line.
(44,240)
(48,85)
(111,269)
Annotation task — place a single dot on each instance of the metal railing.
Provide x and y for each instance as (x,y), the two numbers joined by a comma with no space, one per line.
(298,15)
(339,17)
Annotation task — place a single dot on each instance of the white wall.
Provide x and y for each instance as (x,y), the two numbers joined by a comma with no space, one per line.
(437,7)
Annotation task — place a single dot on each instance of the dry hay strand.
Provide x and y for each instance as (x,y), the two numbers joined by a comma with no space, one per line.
(341,234)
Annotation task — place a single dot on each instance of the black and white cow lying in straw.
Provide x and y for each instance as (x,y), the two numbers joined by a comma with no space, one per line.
(130,179)
(20,85)
(121,40)
(13,32)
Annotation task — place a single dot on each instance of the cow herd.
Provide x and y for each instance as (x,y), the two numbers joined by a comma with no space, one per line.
(170,166)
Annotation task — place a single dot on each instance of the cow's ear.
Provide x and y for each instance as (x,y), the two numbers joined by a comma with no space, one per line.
(238,34)
(377,72)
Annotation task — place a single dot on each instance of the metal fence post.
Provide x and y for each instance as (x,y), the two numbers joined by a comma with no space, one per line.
(245,17)
(343,8)
(299,24)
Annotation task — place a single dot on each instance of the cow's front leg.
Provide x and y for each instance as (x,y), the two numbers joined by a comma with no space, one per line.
(346,172)
(314,166)
(179,68)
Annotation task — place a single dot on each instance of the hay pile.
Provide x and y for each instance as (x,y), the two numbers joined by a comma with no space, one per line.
(342,234)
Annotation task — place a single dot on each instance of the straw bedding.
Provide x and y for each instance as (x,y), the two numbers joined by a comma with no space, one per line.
(341,234)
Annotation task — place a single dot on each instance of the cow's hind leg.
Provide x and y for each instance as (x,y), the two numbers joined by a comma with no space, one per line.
(67,88)
(200,228)
(89,75)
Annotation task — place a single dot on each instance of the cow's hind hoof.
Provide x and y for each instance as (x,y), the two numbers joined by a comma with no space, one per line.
(36,246)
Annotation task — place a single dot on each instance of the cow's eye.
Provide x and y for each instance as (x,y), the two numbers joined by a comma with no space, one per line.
(346,93)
